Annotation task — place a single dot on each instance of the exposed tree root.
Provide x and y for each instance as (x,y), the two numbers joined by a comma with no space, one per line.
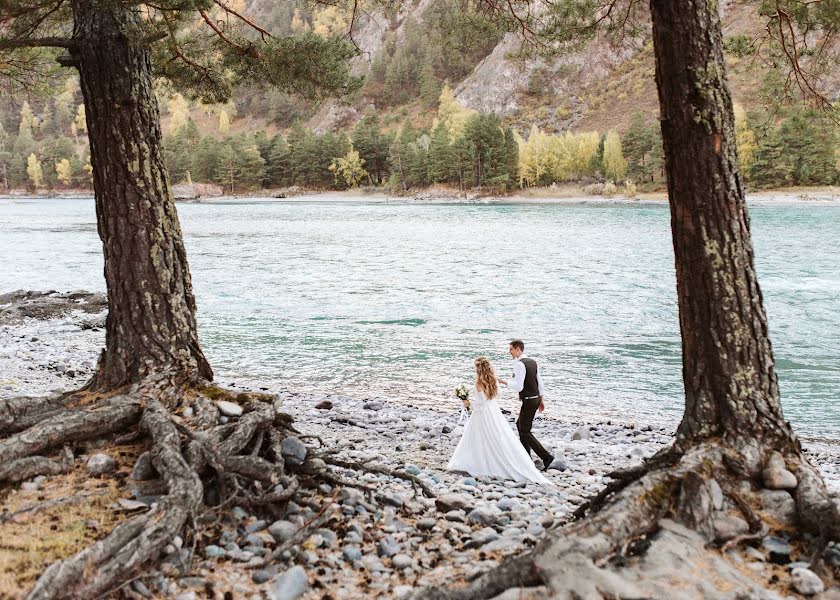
(241,462)
(571,560)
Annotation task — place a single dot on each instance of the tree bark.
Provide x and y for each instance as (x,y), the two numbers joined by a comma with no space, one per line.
(731,386)
(151,323)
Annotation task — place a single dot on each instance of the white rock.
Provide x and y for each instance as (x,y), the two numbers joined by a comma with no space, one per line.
(806,581)
(229,409)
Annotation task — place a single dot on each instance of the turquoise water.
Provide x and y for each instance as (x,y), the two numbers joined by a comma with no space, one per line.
(395,300)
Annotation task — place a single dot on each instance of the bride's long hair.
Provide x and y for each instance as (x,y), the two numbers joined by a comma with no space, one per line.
(485,378)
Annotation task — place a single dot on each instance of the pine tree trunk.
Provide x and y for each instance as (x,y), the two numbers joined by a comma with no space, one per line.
(728,369)
(151,322)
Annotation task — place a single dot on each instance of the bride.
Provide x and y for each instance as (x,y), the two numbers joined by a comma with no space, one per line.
(488,446)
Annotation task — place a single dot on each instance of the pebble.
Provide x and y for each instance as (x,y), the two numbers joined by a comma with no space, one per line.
(806,582)
(351,553)
(294,450)
(387,547)
(101,464)
(290,585)
(581,433)
(281,531)
(260,576)
(401,561)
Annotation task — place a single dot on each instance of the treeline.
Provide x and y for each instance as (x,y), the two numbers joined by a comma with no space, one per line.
(462,148)
(45,146)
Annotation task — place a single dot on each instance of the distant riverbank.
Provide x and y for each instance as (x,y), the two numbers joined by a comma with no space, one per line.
(817,196)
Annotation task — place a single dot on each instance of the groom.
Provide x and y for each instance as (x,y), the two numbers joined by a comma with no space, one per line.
(527,381)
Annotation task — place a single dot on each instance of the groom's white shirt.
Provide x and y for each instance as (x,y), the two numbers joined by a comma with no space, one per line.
(518,382)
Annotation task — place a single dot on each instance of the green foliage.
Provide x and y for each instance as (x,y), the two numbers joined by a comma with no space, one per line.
(770,167)
(642,147)
(373,147)
(451,41)
(810,140)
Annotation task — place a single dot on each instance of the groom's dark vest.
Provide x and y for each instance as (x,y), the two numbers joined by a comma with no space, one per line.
(530,388)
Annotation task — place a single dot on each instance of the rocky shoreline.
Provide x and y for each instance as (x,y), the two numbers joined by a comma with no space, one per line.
(380,544)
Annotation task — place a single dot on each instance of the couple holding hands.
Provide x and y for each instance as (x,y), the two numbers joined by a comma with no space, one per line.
(488,446)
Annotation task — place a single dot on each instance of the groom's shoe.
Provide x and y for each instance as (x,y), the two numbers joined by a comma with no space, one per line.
(547,463)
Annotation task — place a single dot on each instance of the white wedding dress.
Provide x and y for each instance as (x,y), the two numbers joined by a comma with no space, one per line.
(490,448)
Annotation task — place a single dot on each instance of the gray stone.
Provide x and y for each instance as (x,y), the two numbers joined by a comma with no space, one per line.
(779,479)
(727,527)
(716,493)
(290,585)
(779,505)
(293,450)
(469,481)
(281,531)
(392,499)
(484,515)
(213,551)
(581,433)
(806,582)
(330,539)
(507,504)
(457,516)
(143,469)
(558,464)
(482,537)
(351,553)
(401,561)
(447,502)
(412,469)
(100,464)
(776,461)
(426,524)
(387,547)
(229,409)
(260,576)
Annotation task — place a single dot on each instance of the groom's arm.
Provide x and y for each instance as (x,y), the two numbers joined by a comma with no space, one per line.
(518,382)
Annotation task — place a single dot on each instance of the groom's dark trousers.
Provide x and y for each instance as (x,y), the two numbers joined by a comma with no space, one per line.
(524,424)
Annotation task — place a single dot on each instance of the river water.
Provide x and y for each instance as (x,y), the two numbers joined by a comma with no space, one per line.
(395,300)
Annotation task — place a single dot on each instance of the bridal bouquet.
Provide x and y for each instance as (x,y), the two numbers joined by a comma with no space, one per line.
(463,395)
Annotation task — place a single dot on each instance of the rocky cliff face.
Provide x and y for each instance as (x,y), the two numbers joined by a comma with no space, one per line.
(499,82)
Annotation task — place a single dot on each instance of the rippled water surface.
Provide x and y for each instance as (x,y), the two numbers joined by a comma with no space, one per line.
(395,300)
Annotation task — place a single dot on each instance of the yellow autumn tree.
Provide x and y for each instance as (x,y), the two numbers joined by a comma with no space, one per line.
(560,157)
(452,114)
(329,21)
(33,169)
(179,112)
(533,155)
(80,122)
(586,148)
(224,122)
(349,169)
(63,171)
(744,139)
(615,165)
